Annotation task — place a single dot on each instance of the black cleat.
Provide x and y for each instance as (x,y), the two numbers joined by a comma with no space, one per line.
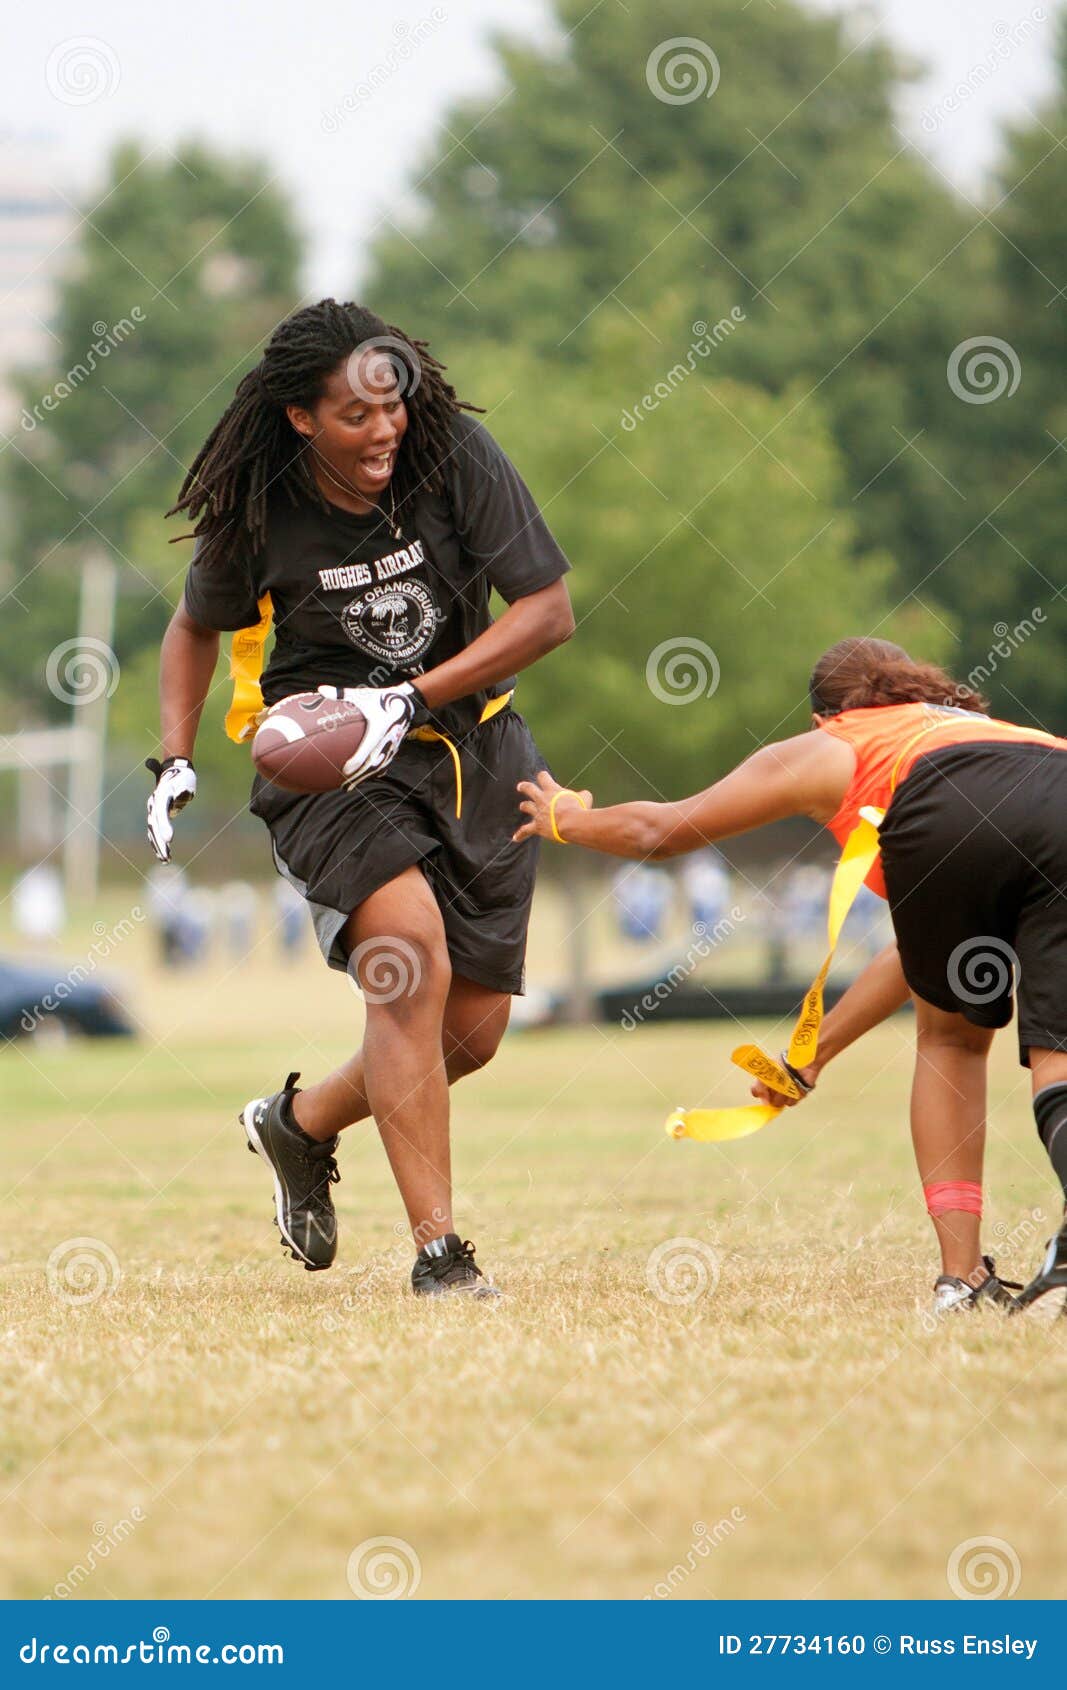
(303,1172)
(1053,1275)
(951,1293)
(446,1266)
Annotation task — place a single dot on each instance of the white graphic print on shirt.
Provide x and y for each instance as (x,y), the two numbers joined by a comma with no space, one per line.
(397,620)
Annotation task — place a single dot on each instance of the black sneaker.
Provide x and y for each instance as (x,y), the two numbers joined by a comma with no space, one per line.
(446,1265)
(1053,1275)
(303,1170)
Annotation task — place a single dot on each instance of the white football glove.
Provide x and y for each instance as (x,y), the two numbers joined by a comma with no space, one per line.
(390,712)
(175,787)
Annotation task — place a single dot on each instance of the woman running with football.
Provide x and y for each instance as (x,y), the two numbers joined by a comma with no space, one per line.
(345,495)
(974,865)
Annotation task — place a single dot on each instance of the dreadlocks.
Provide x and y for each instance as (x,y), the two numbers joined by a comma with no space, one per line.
(254,447)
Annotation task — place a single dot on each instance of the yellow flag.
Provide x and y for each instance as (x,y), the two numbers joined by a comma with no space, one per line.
(715,1126)
(763,1067)
(246,666)
(718,1125)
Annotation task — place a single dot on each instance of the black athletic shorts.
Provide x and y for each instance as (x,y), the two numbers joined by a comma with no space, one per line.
(337,848)
(974,847)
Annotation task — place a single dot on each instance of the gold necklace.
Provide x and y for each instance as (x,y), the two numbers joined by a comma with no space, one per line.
(390,520)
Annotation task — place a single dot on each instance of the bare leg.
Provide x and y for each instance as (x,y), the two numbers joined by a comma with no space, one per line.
(397,944)
(948,1108)
(403,969)
(475,1018)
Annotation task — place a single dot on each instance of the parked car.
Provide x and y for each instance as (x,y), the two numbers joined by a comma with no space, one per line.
(34,999)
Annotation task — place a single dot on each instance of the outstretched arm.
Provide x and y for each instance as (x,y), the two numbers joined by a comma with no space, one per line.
(804,776)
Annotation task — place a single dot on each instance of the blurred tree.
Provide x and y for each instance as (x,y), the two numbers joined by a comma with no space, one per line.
(183,266)
(1013,564)
(660,164)
(710,571)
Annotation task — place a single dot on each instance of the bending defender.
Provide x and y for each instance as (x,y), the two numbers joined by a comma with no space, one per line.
(344,494)
(974,865)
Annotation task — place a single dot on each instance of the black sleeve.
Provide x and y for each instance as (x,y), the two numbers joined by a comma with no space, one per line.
(496,516)
(222,596)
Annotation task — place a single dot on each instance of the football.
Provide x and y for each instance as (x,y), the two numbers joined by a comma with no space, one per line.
(304,742)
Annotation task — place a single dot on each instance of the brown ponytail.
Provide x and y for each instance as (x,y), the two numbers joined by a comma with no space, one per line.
(857,673)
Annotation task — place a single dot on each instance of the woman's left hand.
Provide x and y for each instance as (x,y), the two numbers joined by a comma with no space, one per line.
(537,804)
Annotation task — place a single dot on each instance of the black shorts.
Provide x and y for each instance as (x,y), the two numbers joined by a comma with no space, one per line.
(974,847)
(337,848)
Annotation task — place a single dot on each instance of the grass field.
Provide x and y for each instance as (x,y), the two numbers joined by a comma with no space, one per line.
(218,1422)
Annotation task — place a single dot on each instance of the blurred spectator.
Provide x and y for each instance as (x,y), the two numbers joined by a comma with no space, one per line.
(867,925)
(291,918)
(239,908)
(182,917)
(642,897)
(707,888)
(38,910)
(806,901)
(770,924)
(198,922)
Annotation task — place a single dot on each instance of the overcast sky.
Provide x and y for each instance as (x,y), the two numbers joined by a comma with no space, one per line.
(275,77)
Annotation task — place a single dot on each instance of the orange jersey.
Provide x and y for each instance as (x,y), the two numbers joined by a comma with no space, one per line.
(888,739)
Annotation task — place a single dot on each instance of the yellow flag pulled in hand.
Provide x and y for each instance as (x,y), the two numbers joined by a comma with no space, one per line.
(720,1125)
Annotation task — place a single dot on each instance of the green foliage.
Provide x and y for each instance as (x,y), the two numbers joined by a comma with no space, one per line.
(580,198)
(183,266)
(686,535)
(1014,561)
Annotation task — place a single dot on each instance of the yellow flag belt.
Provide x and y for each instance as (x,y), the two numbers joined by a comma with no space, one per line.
(246,705)
(718,1125)
(246,666)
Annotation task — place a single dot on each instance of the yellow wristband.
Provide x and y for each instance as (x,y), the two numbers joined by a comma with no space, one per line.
(564,792)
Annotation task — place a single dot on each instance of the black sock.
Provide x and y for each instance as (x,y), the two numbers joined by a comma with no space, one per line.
(288,1115)
(1050,1113)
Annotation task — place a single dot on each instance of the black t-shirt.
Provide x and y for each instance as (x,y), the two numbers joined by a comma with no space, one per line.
(356,606)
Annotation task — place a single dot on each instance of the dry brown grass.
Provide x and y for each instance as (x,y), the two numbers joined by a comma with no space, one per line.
(569,1442)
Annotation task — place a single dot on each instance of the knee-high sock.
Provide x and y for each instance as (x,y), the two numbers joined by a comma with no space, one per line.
(1050,1113)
